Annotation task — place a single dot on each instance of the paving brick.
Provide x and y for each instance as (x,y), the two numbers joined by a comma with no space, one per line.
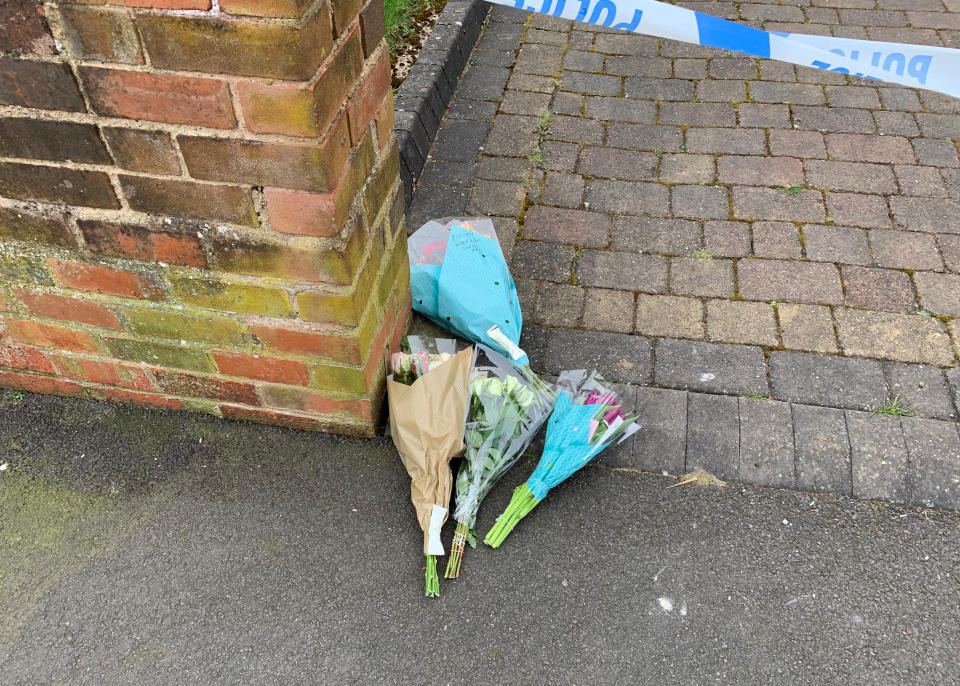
(451,173)
(733,141)
(905,250)
(731,321)
(650,234)
(705,277)
(878,289)
(853,96)
(710,367)
(622,197)
(733,67)
(934,462)
(857,209)
(590,84)
(850,176)
(612,163)
(776,239)
(532,82)
(483,82)
(661,444)
(644,137)
(721,91)
(567,103)
(621,109)
(697,114)
(950,250)
(896,124)
(623,270)
(939,293)
(563,190)
(608,310)
(791,93)
(822,449)
(923,389)
(580,60)
(474,110)
(766,443)
(618,357)
(523,103)
(700,202)
(834,119)
(690,68)
(687,168)
(760,171)
(575,227)
(658,89)
(918,180)
(822,380)
(799,282)
(939,153)
(881,149)
(926,214)
(576,130)
(713,435)
(778,205)
(440,201)
(939,125)
(670,316)
(542,260)
(545,60)
(560,156)
(726,239)
(878,457)
(901,337)
(807,327)
(558,304)
(902,99)
(763,115)
(797,143)
(511,136)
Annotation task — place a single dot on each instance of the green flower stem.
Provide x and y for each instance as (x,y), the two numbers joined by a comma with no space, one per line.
(432,584)
(521,504)
(456,551)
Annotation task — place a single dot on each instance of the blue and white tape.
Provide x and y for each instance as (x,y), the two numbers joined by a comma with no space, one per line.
(933,68)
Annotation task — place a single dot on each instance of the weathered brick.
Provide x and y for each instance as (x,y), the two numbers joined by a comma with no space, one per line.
(878,289)
(645,137)
(159,97)
(366,99)
(590,84)
(576,130)
(651,234)
(305,339)
(542,260)
(700,202)
(713,434)
(57,184)
(496,197)
(826,380)
(857,209)
(620,109)
(918,180)
(100,34)
(822,449)
(797,143)
(576,227)
(161,355)
(726,239)
(671,316)
(105,372)
(217,294)
(939,293)
(622,197)
(372,26)
(734,141)
(261,8)
(803,282)
(612,163)
(850,176)
(857,148)
(658,89)
(316,403)
(903,337)
(836,244)
(182,325)
(99,279)
(25,357)
(608,310)
(299,167)
(686,168)
(51,140)
(656,67)
(51,306)
(50,228)
(625,271)
(896,124)
(934,461)
(272,369)
(775,239)
(661,443)
(926,214)
(793,93)
(940,153)
(760,171)
(777,205)
(905,250)
(43,85)
(706,277)
(697,114)
(878,456)
(187,199)
(922,388)
(710,367)
(141,243)
(558,304)
(690,68)
(741,322)
(50,336)
(950,250)
(806,327)
(245,48)
(564,190)
(766,443)
(721,91)
(144,151)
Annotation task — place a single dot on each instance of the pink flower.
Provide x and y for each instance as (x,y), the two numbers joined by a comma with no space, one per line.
(433,252)
(592,399)
(612,414)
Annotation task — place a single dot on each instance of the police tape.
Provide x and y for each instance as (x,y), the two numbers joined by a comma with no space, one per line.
(921,66)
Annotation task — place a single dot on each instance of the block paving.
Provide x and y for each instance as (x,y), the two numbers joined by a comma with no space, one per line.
(766,254)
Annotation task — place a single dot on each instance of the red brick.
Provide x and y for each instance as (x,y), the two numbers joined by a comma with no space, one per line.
(50,227)
(59,307)
(24,28)
(144,151)
(264,8)
(166,4)
(100,34)
(196,386)
(39,384)
(57,184)
(51,336)
(797,143)
(384,120)
(159,97)
(23,357)
(104,372)
(309,342)
(271,369)
(368,96)
(185,199)
(43,85)
(137,242)
(88,277)
(301,400)
(860,148)
(291,420)
(372,26)
(857,209)
(125,397)
(51,140)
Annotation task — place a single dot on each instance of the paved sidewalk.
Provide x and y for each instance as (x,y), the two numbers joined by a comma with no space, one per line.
(167,548)
(731,229)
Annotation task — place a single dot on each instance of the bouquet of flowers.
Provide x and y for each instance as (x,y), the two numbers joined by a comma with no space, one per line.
(587,418)
(460,280)
(508,405)
(427,396)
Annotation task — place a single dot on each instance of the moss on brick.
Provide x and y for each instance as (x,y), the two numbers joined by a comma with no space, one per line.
(235,297)
(204,328)
(173,356)
(19,267)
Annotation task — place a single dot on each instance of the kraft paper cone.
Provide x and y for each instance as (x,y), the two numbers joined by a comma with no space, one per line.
(426,423)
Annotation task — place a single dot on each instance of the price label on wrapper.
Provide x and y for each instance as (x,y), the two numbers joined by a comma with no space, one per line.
(920,66)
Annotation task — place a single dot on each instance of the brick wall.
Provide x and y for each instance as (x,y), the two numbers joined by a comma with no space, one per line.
(200,206)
